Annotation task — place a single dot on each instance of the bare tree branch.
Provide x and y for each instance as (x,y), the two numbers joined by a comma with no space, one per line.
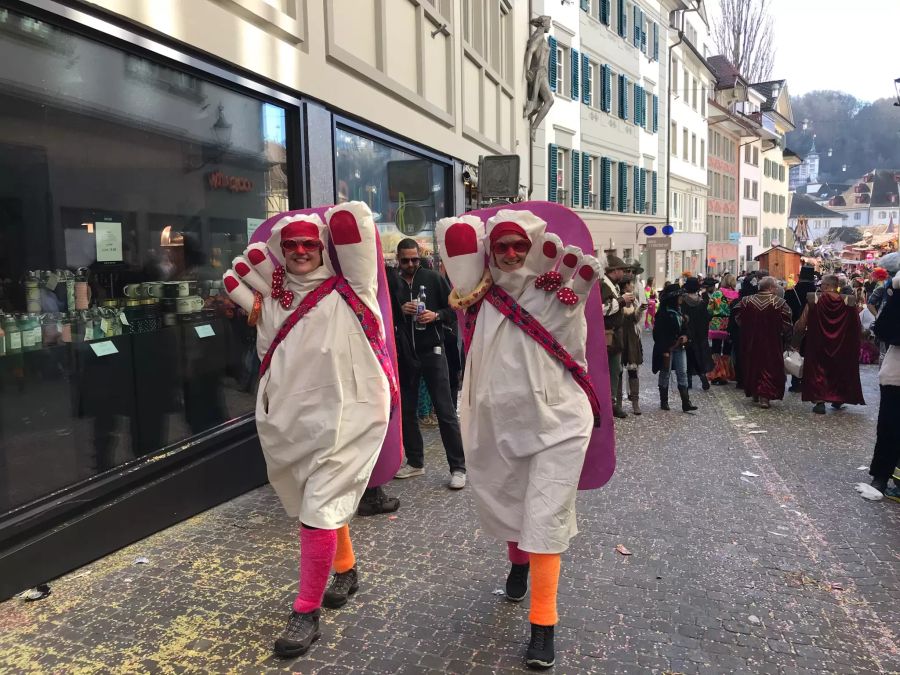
(746,35)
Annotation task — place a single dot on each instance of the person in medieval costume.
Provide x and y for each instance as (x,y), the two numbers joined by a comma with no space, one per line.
(326,389)
(832,329)
(527,406)
(632,349)
(765,321)
(613,315)
(694,307)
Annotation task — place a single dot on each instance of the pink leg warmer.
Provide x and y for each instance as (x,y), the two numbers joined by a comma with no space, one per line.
(516,555)
(317,549)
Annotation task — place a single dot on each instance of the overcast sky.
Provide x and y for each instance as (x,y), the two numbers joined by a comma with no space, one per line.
(835,44)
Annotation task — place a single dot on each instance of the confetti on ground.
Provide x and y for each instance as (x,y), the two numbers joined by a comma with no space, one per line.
(621,549)
(141,560)
(778,534)
(755,620)
(759,431)
(861,468)
(749,474)
(498,591)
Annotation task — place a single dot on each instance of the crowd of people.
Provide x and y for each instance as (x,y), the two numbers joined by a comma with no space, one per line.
(752,330)
(329,385)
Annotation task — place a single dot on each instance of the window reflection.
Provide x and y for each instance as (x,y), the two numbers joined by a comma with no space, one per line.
(407,194)
(126,189)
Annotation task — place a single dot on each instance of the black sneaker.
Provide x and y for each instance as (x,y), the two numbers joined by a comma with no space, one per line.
(540,654)
(301,631)
(819,408)
(343,585)
(517,583)
(880,484)
(376,501)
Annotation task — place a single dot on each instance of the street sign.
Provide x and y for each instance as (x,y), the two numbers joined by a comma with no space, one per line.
(734,236)
(659,243)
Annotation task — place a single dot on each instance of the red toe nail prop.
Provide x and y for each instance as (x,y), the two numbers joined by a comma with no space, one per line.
(566,296)
(460,239)
(570,260)
(256,256)
(344,229)
(586,273)
(242,268)
(549,249)
(231,283)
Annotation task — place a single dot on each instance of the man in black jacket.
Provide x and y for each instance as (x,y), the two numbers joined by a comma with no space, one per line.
(420,353)
(796,300)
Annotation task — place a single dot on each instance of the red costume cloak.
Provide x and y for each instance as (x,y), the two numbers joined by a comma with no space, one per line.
(831,364)
(765,320)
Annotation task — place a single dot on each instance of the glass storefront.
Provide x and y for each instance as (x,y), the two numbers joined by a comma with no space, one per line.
(126,188)
(407,193)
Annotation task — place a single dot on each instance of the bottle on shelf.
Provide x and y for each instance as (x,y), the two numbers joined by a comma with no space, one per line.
(13,335)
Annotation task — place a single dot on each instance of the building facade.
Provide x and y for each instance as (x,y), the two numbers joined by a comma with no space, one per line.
(601,149)
(143,144)
(731,137)
(776,119)
(691,84)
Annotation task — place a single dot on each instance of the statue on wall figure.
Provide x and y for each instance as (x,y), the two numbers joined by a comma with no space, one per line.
(537,60)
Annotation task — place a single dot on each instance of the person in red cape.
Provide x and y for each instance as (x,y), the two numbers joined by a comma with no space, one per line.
(833,332)
(765,322)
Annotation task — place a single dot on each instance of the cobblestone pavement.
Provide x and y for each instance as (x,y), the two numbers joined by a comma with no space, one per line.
(787,572)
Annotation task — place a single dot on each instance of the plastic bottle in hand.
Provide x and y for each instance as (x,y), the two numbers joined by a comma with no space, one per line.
(420,308)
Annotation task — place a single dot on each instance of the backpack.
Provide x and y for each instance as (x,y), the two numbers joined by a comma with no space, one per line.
(887,325)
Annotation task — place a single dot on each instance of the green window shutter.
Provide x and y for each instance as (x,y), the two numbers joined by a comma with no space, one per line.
(586,83)
(623,187)
(637,104)
(586,5)
(604,12)
(605,183)
(623,97)
(655,113)
(637,26)
(575,79)
(653,184)
(636,206)
(576,179)
(656,42)
(606,94)
(551,67)
(586,180)
(643,33)
(551,172)
(643,190)
(621,16)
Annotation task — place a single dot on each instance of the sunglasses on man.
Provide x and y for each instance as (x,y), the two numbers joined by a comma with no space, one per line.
(409,261)
(302,245)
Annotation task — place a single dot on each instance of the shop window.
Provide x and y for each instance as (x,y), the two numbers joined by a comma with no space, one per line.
(407,193)
(127,187)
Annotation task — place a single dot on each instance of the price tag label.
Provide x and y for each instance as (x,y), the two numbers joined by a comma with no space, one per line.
(52,281)
(104,348)
(204,331)
(123,319)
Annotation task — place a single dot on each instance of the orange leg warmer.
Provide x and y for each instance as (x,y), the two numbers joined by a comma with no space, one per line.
(544,583)
(344,559)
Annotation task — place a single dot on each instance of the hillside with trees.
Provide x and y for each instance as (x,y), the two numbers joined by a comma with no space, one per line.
(861,136)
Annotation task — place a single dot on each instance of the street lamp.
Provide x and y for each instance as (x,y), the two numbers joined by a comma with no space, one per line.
(221,129)
(897,88)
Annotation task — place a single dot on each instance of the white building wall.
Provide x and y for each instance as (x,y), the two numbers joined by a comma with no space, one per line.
(574,125)
(445,74)
(691,84)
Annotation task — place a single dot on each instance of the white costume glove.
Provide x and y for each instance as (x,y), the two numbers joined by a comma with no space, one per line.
(461,246)
(250,272)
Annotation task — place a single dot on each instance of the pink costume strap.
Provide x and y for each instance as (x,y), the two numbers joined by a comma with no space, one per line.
(519,316)
(367,319)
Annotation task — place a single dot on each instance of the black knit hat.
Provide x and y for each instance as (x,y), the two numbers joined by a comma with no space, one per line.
(692,285)
(807,273)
